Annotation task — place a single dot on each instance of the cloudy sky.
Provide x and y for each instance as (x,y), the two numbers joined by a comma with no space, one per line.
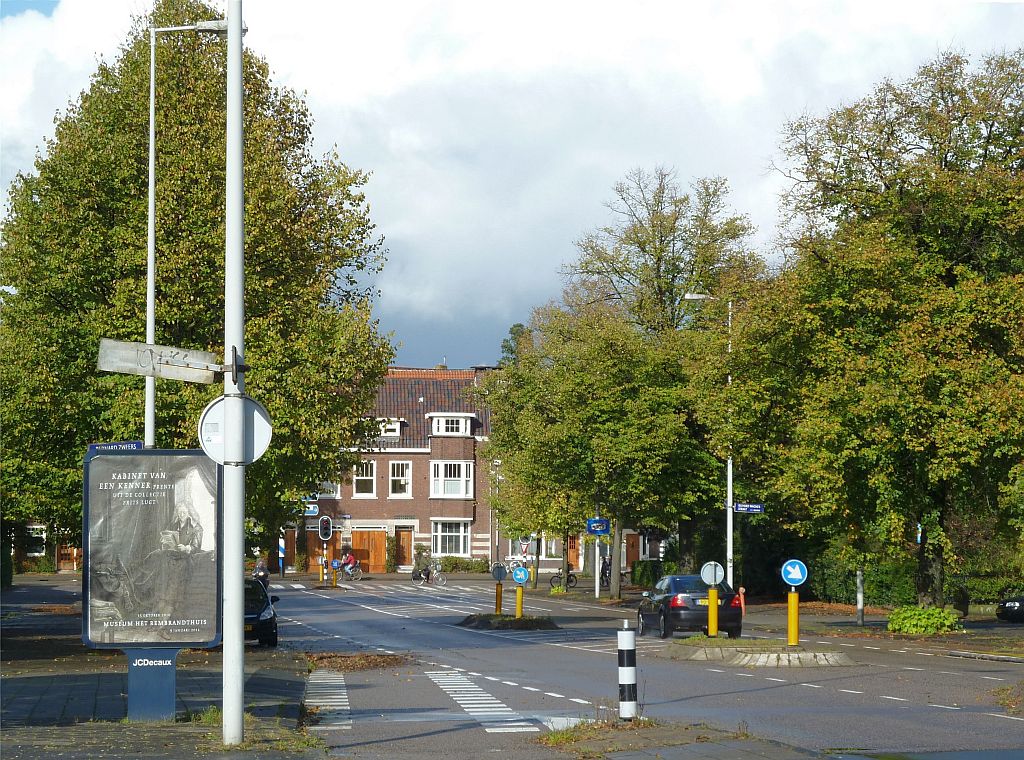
(495,132)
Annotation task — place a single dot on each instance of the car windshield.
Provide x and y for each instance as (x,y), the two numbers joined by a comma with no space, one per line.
(255,597)
(692,584)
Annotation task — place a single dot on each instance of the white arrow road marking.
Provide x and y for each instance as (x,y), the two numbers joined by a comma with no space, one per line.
(489,711)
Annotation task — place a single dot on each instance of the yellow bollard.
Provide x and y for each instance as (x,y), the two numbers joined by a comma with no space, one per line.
(335,578)
(497,598)
(793,629)
(713,612)
(322,574)
(533,573)
(519,600)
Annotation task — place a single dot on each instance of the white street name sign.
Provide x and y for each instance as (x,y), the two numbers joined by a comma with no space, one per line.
(158,361)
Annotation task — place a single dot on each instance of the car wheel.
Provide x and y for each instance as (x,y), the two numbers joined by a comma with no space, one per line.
(640,630)
(271,640)
(734,633)
(664,627)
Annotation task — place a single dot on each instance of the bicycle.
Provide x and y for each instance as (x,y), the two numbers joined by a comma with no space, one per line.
(355,574)
(606,575)
(570,581)
(435,576)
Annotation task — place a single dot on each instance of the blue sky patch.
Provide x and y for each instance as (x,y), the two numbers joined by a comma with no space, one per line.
(14,7)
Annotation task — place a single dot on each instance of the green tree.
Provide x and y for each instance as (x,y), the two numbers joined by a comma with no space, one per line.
(882,370)
(74,265)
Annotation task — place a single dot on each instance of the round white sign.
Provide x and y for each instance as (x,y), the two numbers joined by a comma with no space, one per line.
(258,430)
(712,573)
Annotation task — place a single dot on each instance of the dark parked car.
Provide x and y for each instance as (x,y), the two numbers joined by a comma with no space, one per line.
(1011,609)
(260,615)
(680,603)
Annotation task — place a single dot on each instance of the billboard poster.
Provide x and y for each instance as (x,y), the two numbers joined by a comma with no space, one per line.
(151,534)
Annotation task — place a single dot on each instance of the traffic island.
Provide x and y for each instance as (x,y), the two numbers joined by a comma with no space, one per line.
(509,623)
(740,653)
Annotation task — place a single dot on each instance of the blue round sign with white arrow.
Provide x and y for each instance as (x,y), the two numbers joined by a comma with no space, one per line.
(794,572)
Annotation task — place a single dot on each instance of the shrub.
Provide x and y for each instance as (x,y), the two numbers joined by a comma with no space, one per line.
(923,620)
(646,572)
(43,564)
(463,565)
(391,554)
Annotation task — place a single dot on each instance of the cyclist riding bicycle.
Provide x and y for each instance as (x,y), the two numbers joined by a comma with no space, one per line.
(422,565)
(348,561)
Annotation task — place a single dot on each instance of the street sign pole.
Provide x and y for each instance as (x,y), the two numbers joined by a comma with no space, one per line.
(234,388)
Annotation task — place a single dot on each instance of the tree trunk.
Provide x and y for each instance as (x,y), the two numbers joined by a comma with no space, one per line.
(931,570)
(685,557)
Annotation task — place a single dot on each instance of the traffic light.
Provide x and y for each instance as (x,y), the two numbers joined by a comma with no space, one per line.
(326,527)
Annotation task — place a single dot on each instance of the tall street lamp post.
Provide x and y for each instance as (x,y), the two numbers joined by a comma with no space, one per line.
(214,27)
(728,463)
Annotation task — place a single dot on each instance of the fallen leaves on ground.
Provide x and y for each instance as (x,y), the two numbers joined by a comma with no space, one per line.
(348,663)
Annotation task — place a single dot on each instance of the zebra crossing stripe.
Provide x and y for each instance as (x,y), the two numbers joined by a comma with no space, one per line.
(494,715)
(327,694)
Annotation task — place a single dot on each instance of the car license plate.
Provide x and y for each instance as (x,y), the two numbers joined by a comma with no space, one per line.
(702,602)
(248,629)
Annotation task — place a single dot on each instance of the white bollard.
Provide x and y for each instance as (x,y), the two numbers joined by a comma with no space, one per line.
(627,672)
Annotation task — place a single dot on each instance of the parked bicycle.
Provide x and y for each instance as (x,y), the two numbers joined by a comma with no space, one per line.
(434,575)
(570,581)
(510,564)
(606,574)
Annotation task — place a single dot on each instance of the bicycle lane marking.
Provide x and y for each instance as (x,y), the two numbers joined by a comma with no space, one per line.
(326,691)
(493,714)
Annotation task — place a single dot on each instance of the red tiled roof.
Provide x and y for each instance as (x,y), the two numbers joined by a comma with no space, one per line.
(410,394)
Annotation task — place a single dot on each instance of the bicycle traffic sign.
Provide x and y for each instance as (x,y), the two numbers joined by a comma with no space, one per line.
(520,575)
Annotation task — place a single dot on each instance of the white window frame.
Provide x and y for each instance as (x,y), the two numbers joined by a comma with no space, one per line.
(451,424)
(461,535)
(390,427)
(392,477)
(328,491)
(357,479)
(442,474)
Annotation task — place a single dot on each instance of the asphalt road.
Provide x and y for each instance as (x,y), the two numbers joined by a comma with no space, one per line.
(894,698)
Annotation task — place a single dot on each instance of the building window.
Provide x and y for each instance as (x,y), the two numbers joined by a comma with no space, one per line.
(451,424)
(449,538)
(400,482)
(390,427)
(364,480)
(451,480)
(328,491)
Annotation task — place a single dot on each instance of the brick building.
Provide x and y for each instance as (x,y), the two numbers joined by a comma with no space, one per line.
(421,482)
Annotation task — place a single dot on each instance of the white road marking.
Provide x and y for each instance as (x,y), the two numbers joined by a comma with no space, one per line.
(327,694)
(493,714)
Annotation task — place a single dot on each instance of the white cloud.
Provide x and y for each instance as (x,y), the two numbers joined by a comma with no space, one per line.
(494,133)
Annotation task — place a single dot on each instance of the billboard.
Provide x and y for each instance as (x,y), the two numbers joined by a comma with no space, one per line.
(151,535)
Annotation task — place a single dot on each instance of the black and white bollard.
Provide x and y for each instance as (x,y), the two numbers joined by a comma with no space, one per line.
(627,672)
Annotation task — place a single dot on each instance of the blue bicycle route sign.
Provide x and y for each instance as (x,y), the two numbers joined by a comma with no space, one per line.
(520,575)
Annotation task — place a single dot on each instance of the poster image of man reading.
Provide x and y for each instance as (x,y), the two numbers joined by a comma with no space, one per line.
(151,522)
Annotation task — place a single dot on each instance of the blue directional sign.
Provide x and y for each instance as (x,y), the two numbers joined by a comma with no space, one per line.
(794,572)
(598,526)
(520,575)
(746,507)
(116,446)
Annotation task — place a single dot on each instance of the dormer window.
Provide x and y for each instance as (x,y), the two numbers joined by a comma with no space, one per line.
(451,423)
(390,427)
